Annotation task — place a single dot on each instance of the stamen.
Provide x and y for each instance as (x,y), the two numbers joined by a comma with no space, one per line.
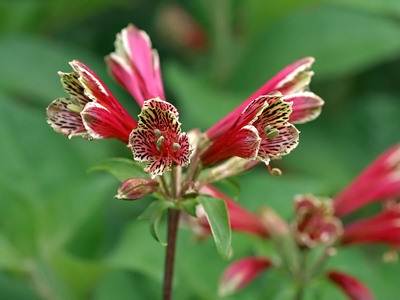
(271,132)
(157,132)
(176,146)
(160,142)
(274,171)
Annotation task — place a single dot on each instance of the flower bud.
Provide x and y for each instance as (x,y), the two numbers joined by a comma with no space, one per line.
(136,188)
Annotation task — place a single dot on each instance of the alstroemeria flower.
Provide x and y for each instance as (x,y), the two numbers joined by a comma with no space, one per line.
(241,220)
(260,131)
(379,181)
(240,273)
(383,228)
(315,222)
(90,111)
(351,286)
(293,83)
(158,139)
(135,65)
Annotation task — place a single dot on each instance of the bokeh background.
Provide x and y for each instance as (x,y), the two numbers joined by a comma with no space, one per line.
(63,236)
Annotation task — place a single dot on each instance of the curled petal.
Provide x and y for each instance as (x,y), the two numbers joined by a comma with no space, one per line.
(306,106)
(72,85)
(136,188)
(64,119)
(351,286)
(240,273)
(379,181)
(102,123)
(158,139)
(135,65)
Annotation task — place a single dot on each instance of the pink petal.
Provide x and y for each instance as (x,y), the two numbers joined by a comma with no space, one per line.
(240,273)
(135,65)
(351,286)
(379,181)
(306,106)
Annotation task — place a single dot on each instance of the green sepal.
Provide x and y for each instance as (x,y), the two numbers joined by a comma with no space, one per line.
(121,168)
(218,218)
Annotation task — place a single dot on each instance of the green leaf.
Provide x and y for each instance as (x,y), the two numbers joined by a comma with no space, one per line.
(218,218)
(343,41)
(121,168)
(154,214)
(190,205)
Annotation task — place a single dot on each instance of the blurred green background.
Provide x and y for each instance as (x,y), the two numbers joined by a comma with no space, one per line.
(63,236)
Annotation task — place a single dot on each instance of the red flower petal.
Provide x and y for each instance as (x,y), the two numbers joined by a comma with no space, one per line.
(382,228)
(351,286)
(240,273)
(103,123)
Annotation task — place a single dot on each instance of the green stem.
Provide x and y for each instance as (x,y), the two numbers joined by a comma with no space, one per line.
(173,220)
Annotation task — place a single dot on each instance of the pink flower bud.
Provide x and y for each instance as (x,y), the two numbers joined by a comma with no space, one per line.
(136,188)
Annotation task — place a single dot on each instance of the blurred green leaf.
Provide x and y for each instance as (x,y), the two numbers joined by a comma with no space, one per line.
(342,41)
(217,216)
(385,7)
(121,168)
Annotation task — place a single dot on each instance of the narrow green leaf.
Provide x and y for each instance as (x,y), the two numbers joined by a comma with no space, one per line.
(120,168)
(218,218)
(154,214)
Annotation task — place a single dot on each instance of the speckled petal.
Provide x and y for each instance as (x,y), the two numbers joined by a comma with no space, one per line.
(62,117)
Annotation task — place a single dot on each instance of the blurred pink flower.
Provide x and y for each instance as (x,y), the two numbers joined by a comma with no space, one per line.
(136,66)
(378,182)
(351,286)
(383,228)
(241,272)
(90,111)
(158,139)
(315,222)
